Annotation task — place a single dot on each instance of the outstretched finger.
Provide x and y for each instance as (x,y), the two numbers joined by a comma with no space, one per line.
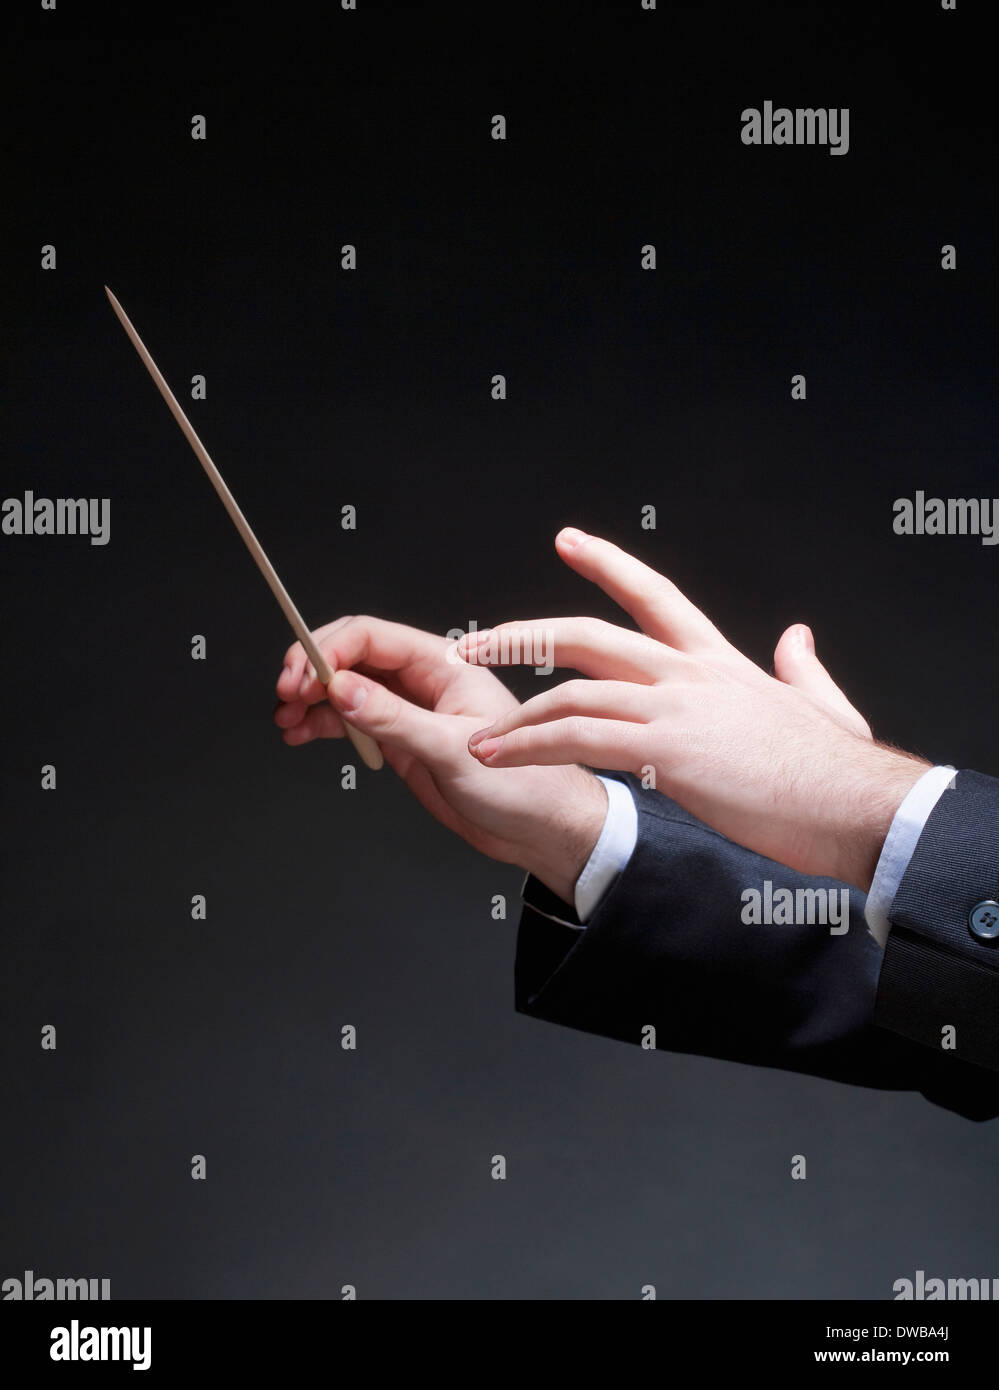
(596,699)
(608,743)
(655,603)
(589,645)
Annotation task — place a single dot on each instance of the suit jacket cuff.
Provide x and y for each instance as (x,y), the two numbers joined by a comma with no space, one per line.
(937,976)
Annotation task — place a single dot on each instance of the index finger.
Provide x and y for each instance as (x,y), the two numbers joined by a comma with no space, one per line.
(417,656)
(296,664)
(655,603)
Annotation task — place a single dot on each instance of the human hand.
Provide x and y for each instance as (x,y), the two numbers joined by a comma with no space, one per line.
(400,685)
(781,764)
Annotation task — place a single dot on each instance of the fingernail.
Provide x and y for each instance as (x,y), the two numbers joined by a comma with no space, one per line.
(349,692)
(471,640)
(489,747)
(477,737)
(807,638)
(571,537)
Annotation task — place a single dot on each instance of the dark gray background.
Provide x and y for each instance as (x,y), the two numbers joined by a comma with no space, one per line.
(325,907)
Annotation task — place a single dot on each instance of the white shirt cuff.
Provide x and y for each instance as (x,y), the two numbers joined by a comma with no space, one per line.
(611,852)
(900,845)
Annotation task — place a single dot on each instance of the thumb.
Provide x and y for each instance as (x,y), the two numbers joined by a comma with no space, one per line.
(387,717)
(796,664)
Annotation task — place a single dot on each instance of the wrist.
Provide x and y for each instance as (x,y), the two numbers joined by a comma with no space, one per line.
(868,807)
(560,851)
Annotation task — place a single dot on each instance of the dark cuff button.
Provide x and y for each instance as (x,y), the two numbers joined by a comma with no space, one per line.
(983,920)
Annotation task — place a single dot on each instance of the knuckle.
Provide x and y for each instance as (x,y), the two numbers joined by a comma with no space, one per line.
(336,633)
(566,696)
(583,631)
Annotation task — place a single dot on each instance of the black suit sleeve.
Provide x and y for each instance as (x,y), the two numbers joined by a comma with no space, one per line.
(667,948)
(937,974)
